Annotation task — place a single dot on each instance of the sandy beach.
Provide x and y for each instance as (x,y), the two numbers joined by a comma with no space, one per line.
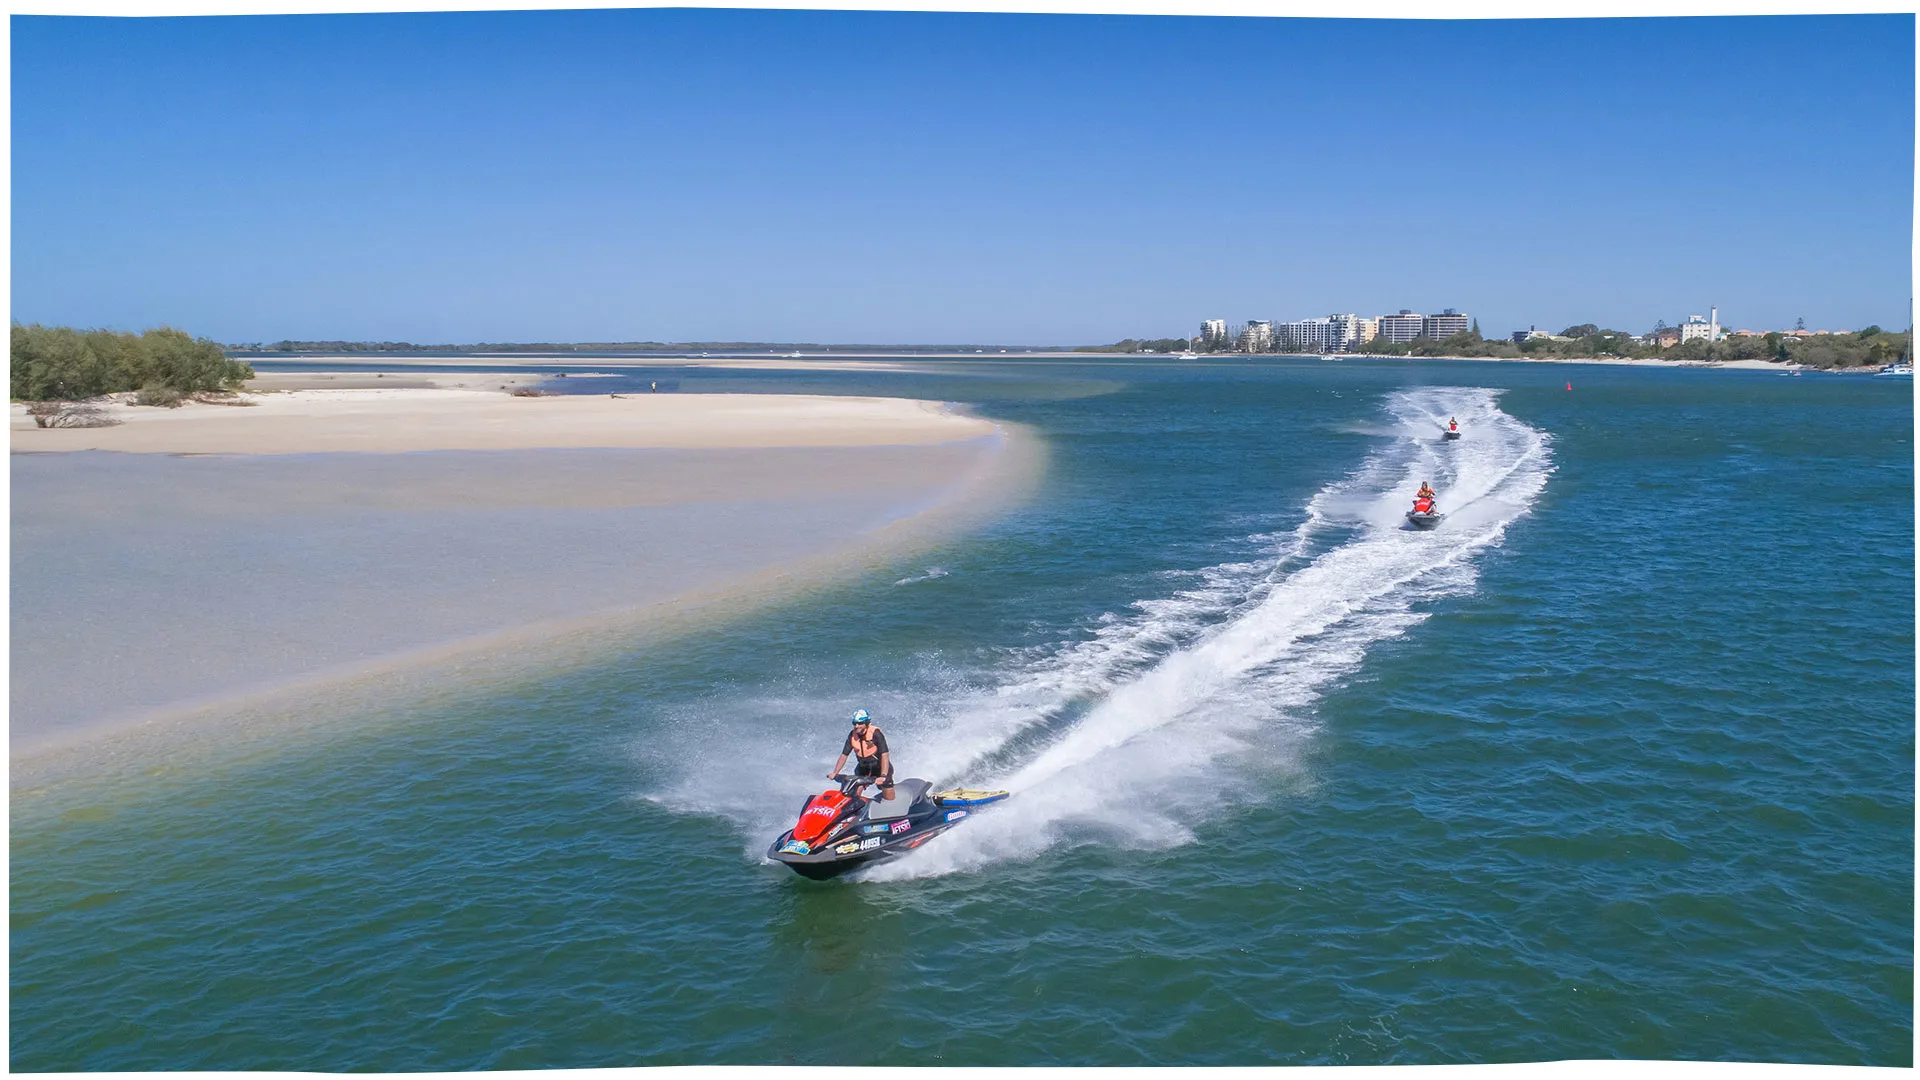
(404,420)
(190,560)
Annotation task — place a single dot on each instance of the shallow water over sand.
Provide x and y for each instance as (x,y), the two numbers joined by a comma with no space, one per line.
(1591,771)
(144,581)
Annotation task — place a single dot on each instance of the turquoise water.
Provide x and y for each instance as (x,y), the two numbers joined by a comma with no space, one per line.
(1618,762)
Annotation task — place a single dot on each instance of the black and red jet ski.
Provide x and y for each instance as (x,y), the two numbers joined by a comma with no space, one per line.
(843,829)
(1425,515)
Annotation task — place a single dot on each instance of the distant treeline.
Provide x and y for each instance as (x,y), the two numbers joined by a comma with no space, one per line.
(609,346)
(59,363)
(1871,347)
(1138,345)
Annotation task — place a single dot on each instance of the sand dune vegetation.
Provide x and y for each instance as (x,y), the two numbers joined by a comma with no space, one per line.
(59,363)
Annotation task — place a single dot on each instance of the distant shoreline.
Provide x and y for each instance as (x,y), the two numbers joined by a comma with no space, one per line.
(902,361)
(1611,361)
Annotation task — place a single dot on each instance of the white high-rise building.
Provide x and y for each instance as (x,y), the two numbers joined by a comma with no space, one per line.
(1696,328)
(1445,324)
(1305,336)
(1343,332)
(1257,337)
(1296,337)
(1213,332)
(1403,327)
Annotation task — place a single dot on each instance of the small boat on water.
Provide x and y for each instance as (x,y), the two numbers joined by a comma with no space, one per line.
(1188,355)
(1901,370)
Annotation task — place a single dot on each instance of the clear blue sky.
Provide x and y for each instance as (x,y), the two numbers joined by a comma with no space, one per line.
(888,177)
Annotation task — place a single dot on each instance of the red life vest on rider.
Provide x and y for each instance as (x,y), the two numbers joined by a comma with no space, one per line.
(866,743)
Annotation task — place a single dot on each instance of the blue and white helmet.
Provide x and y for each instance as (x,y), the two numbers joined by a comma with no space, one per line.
(861,717)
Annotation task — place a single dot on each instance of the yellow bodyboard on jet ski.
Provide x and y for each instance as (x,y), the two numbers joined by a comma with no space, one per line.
(966,797)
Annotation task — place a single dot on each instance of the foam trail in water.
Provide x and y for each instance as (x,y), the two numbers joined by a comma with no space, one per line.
(1187,702)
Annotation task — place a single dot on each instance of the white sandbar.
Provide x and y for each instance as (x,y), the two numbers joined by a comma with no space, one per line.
(405,420)
(219,553)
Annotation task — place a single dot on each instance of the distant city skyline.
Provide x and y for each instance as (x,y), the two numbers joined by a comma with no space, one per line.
(709,175)
(1356,327)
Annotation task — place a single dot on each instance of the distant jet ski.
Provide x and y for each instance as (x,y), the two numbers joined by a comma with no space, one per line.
(1424,514)
(841,830)
(1450,434)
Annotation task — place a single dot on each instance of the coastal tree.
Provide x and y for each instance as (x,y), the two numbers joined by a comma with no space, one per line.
(61,363)
(1138,345)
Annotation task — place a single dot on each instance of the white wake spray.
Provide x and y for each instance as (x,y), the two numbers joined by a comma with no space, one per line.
(1191,702)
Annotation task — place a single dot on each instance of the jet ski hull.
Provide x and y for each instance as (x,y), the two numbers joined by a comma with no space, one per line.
(847,854)
(1425,521)
(1449,435)
(864,841)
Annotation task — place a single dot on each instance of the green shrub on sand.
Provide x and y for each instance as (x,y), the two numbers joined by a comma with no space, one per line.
(166,397)
(61,363)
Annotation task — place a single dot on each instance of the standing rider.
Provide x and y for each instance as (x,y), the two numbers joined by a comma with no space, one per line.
(1452,424)
(868,745)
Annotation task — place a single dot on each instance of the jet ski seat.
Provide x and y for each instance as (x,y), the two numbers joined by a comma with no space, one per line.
(905,794)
